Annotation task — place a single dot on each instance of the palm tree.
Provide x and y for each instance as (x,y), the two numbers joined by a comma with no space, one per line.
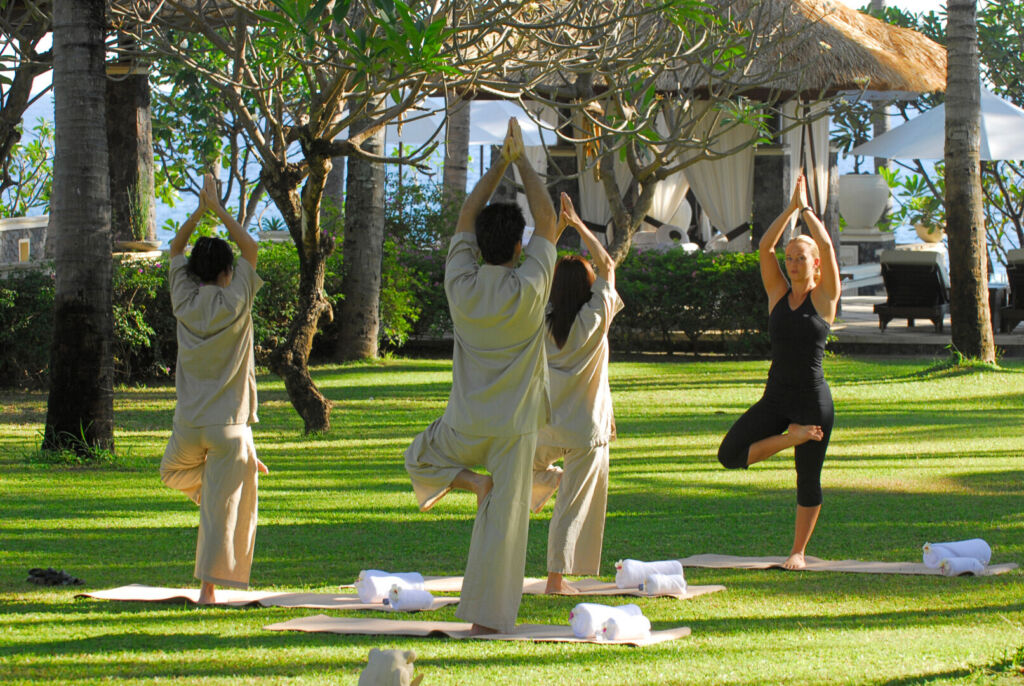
(80,404)
(359,313)
(456,149)
(965,219)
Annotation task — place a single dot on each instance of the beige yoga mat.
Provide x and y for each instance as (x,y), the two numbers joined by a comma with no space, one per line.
(535,586)
(232,598)
(456,630)
(815,564)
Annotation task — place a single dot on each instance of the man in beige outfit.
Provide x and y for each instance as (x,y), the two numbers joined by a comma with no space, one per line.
(211,457)
(499,396)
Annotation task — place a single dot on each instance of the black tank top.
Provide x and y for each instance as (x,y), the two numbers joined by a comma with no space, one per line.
(798,344)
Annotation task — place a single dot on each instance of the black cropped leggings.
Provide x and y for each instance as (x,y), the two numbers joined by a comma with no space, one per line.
(770,416)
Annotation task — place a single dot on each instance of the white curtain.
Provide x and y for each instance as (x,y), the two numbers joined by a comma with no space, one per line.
(668,200)
(809,151)
(593,200)
(725,187)
(667,206)
(537,156)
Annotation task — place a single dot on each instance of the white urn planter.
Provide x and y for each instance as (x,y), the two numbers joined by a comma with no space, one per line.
(862,199)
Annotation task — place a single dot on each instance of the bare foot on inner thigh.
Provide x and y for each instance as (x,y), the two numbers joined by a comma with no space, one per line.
(559,586)
(480,484)
(805,432)
(207,596)
(795,561)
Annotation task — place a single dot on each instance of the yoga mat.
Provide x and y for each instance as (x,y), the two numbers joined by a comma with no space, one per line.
(233,598)
(535,586)
(815,564)
(456,630)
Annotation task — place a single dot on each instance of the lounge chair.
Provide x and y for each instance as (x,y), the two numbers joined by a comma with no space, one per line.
(1013,313)
(916,286)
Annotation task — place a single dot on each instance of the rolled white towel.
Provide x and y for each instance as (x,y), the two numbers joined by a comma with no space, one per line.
(409,599)
(664,584)
(935,553)
(631,573)
(373,585)
(955,566)
(586,619)
(626,628)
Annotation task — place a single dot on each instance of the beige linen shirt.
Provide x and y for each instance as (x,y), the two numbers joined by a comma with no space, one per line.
(215,376)
(581,400)
(499,370)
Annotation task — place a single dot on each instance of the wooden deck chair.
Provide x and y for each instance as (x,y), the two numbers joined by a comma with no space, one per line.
(1013,313)
(916,286)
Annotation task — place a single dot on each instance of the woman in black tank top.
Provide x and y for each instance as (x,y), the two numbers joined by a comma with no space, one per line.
(796,408)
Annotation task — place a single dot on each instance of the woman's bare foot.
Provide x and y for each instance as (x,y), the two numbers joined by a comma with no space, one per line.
(207,595)
(480,630)
(805,432)
(557,585)
(795,561)
(260,467)
(480,484)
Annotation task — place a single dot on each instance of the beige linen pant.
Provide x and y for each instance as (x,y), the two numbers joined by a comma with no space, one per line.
(215,466)
(576,531)
(493,583)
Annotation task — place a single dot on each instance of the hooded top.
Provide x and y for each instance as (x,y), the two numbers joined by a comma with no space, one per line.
(215,377)
(499,370)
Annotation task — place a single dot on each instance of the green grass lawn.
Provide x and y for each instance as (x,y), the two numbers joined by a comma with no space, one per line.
(917,455)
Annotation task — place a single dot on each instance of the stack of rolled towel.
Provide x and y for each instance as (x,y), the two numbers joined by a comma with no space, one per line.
(605,622)
(958,557)
(408,599)
(664,577)
(373,585)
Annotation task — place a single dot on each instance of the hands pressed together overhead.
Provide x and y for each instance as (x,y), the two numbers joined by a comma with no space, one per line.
(568,215)
(513,148)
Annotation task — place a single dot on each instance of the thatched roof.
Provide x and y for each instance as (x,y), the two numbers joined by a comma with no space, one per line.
(821,47)
(854,50)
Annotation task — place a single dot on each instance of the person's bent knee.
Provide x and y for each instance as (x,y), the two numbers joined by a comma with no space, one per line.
(733,457)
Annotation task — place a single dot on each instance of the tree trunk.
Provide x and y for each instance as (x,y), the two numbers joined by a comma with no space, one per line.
(456,150)
(627,213)
(965,219)
(81,398)
(290,360)
(359,317)
(130,151)
(331,210)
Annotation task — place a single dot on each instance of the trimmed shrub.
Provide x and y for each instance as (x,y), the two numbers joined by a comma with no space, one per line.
(145,340)
(717,298)
(26,328)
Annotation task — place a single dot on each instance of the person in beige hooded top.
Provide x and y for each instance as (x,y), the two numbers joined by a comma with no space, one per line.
(211,456)
(580,312)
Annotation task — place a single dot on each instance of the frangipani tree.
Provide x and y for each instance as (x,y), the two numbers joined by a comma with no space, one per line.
(297,73)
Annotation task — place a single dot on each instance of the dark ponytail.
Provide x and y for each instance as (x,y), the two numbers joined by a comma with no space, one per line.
(209,258)
(570,291)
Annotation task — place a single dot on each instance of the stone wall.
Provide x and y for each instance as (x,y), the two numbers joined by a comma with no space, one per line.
(13,230)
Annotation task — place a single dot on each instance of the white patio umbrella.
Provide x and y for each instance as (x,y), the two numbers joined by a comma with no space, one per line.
(488,122)
(924,136)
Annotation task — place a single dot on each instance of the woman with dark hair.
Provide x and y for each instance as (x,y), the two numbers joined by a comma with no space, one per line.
(211,456)
(580,310)
(796,409)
